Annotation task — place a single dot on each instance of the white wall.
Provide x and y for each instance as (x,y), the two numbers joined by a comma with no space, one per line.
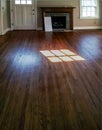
(5,16)
(78,23)
(0,19)
(5,13)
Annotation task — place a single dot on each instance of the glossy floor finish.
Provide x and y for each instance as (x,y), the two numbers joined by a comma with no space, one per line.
(44,86)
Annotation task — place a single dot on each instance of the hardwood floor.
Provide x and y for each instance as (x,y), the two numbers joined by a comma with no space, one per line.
(44,89)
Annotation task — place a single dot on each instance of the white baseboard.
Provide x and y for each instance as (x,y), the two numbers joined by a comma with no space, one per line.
(75,28)
(80,28)
(5,31)
(88,27)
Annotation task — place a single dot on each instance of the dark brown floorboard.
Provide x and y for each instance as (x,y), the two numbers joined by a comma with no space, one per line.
(37,94)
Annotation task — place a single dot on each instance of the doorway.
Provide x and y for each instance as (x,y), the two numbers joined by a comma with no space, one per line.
(23,15)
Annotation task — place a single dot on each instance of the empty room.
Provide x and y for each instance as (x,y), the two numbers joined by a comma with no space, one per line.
(50,65)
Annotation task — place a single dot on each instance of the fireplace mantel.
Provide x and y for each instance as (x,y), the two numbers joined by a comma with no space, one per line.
(46,10)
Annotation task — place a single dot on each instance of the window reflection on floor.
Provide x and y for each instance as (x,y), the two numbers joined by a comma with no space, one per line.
(61,55)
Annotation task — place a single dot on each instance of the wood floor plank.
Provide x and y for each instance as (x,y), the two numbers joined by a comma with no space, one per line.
(38,94)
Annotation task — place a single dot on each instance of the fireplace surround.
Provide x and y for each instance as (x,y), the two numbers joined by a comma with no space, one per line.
(59,11)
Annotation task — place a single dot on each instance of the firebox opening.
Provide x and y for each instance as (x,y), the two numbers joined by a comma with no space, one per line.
(58,22)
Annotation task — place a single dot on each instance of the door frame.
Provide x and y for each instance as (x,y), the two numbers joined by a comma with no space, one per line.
(0,18)
(12,14)
(2,32)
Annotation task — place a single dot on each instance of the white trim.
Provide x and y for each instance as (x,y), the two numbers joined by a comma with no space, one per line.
(5,31)
(2,8)
(11,15)
(88,27)
(96,17)
(90,17)
(36,15)
(0,20)
(78,28)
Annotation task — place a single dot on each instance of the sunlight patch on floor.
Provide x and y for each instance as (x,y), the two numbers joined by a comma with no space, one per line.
(61,55)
